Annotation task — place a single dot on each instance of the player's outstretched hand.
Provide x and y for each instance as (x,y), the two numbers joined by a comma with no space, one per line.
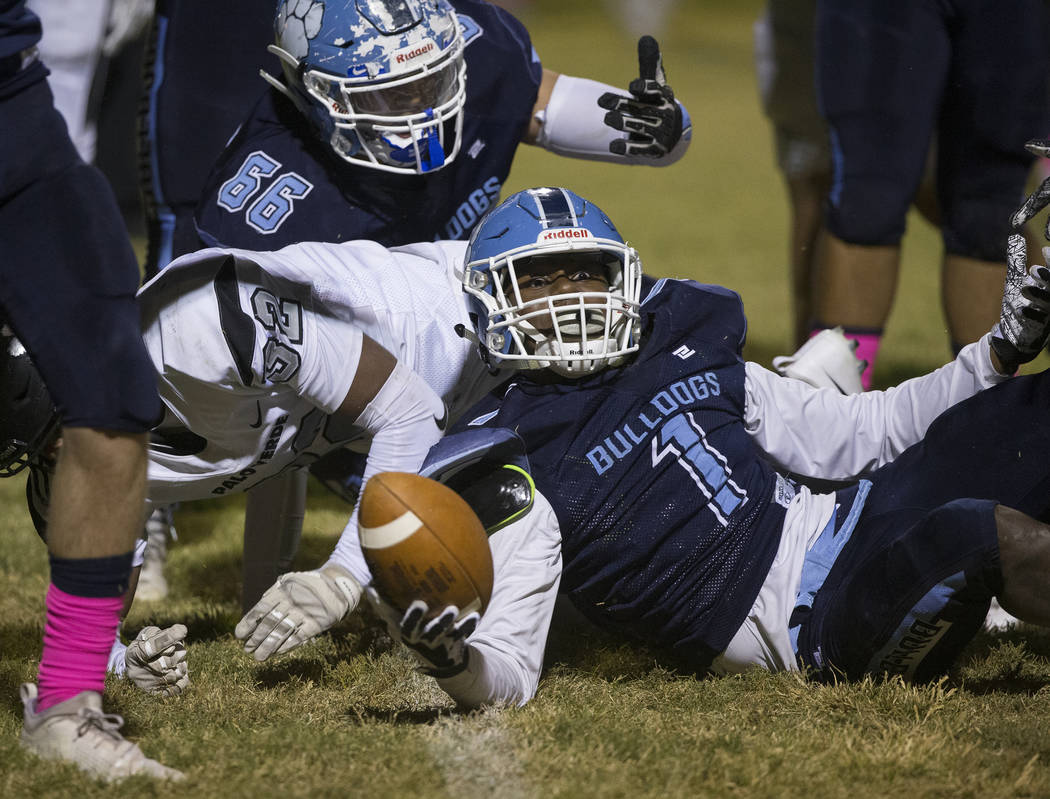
(156,660)
(1038,199)
(439,644)
(1023,328)
(297,607)
(650,116)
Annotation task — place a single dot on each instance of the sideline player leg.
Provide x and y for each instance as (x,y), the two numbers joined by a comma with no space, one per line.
(67,286)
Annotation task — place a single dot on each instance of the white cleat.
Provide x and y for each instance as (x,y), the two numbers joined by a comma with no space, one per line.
(78,732)
(998,619)
(825,361)
(152,583)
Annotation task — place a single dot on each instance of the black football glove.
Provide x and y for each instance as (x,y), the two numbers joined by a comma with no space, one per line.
(439,643)
(650,116)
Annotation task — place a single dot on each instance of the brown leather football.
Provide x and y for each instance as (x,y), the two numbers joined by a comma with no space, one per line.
(422,541)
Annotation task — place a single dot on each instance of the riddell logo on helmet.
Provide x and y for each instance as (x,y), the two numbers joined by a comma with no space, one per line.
(415,52)
(563,234)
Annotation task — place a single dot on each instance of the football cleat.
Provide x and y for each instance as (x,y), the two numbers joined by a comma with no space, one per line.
(152,583)
(998,620)
(827,360)
(79,732)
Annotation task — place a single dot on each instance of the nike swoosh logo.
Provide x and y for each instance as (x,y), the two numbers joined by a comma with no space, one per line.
(258,421)
(442,422)
(835,383)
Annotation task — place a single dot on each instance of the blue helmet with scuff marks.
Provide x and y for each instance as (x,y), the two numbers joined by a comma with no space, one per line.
(588,319)
(383,81)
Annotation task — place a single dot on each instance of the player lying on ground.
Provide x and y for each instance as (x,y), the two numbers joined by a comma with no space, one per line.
(664,505)
(266,361)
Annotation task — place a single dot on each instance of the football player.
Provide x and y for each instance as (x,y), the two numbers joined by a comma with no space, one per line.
(664,503)
(267,361)
(67,288)
(398,122)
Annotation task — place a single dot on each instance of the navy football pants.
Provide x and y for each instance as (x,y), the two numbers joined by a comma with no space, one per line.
(68,274)
(913,583)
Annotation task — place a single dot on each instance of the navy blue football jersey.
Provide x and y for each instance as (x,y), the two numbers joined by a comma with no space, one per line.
(277,183)
(669,516)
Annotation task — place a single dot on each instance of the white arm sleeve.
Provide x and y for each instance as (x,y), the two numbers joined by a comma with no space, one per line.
(506,650)
(573,124)
(403,420)
(822,433)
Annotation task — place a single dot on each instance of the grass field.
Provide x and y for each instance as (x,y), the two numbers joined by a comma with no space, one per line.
(348,716)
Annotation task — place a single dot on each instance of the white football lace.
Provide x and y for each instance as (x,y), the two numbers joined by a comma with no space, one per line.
(107,723)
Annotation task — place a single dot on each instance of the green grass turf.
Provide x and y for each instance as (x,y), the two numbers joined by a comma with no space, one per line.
(347,715)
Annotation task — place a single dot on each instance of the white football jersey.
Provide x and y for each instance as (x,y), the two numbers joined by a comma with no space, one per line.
(255,350)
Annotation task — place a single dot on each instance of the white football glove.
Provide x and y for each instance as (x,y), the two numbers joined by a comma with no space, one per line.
(651,118)
(827,360)
(297,607)
(439,644)
(156,660)
(1038,199)
(1024,325)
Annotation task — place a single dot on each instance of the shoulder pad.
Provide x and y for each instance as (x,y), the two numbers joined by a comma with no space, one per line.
(489,469)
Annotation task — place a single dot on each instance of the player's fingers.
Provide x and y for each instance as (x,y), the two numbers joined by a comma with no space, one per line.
(274,642)
(409,624)
(649,58)
(171,673)
(1016,256)
(293,641)
(1033,204)
(441,625)
(160,640)
(1039,147)
(467,625)
(614,119)
(250,622)
(146,633)
(265,627)
(650,92)
(625,147)
(178,659)
(610,101)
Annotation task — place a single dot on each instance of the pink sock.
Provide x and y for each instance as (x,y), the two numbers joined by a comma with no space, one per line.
(867,349)
(78,635)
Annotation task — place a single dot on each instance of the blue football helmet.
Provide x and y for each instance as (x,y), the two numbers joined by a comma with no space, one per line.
(382,81)
(29,420)
(573,333)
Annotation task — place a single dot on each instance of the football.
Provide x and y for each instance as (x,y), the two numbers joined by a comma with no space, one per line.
(421,540)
